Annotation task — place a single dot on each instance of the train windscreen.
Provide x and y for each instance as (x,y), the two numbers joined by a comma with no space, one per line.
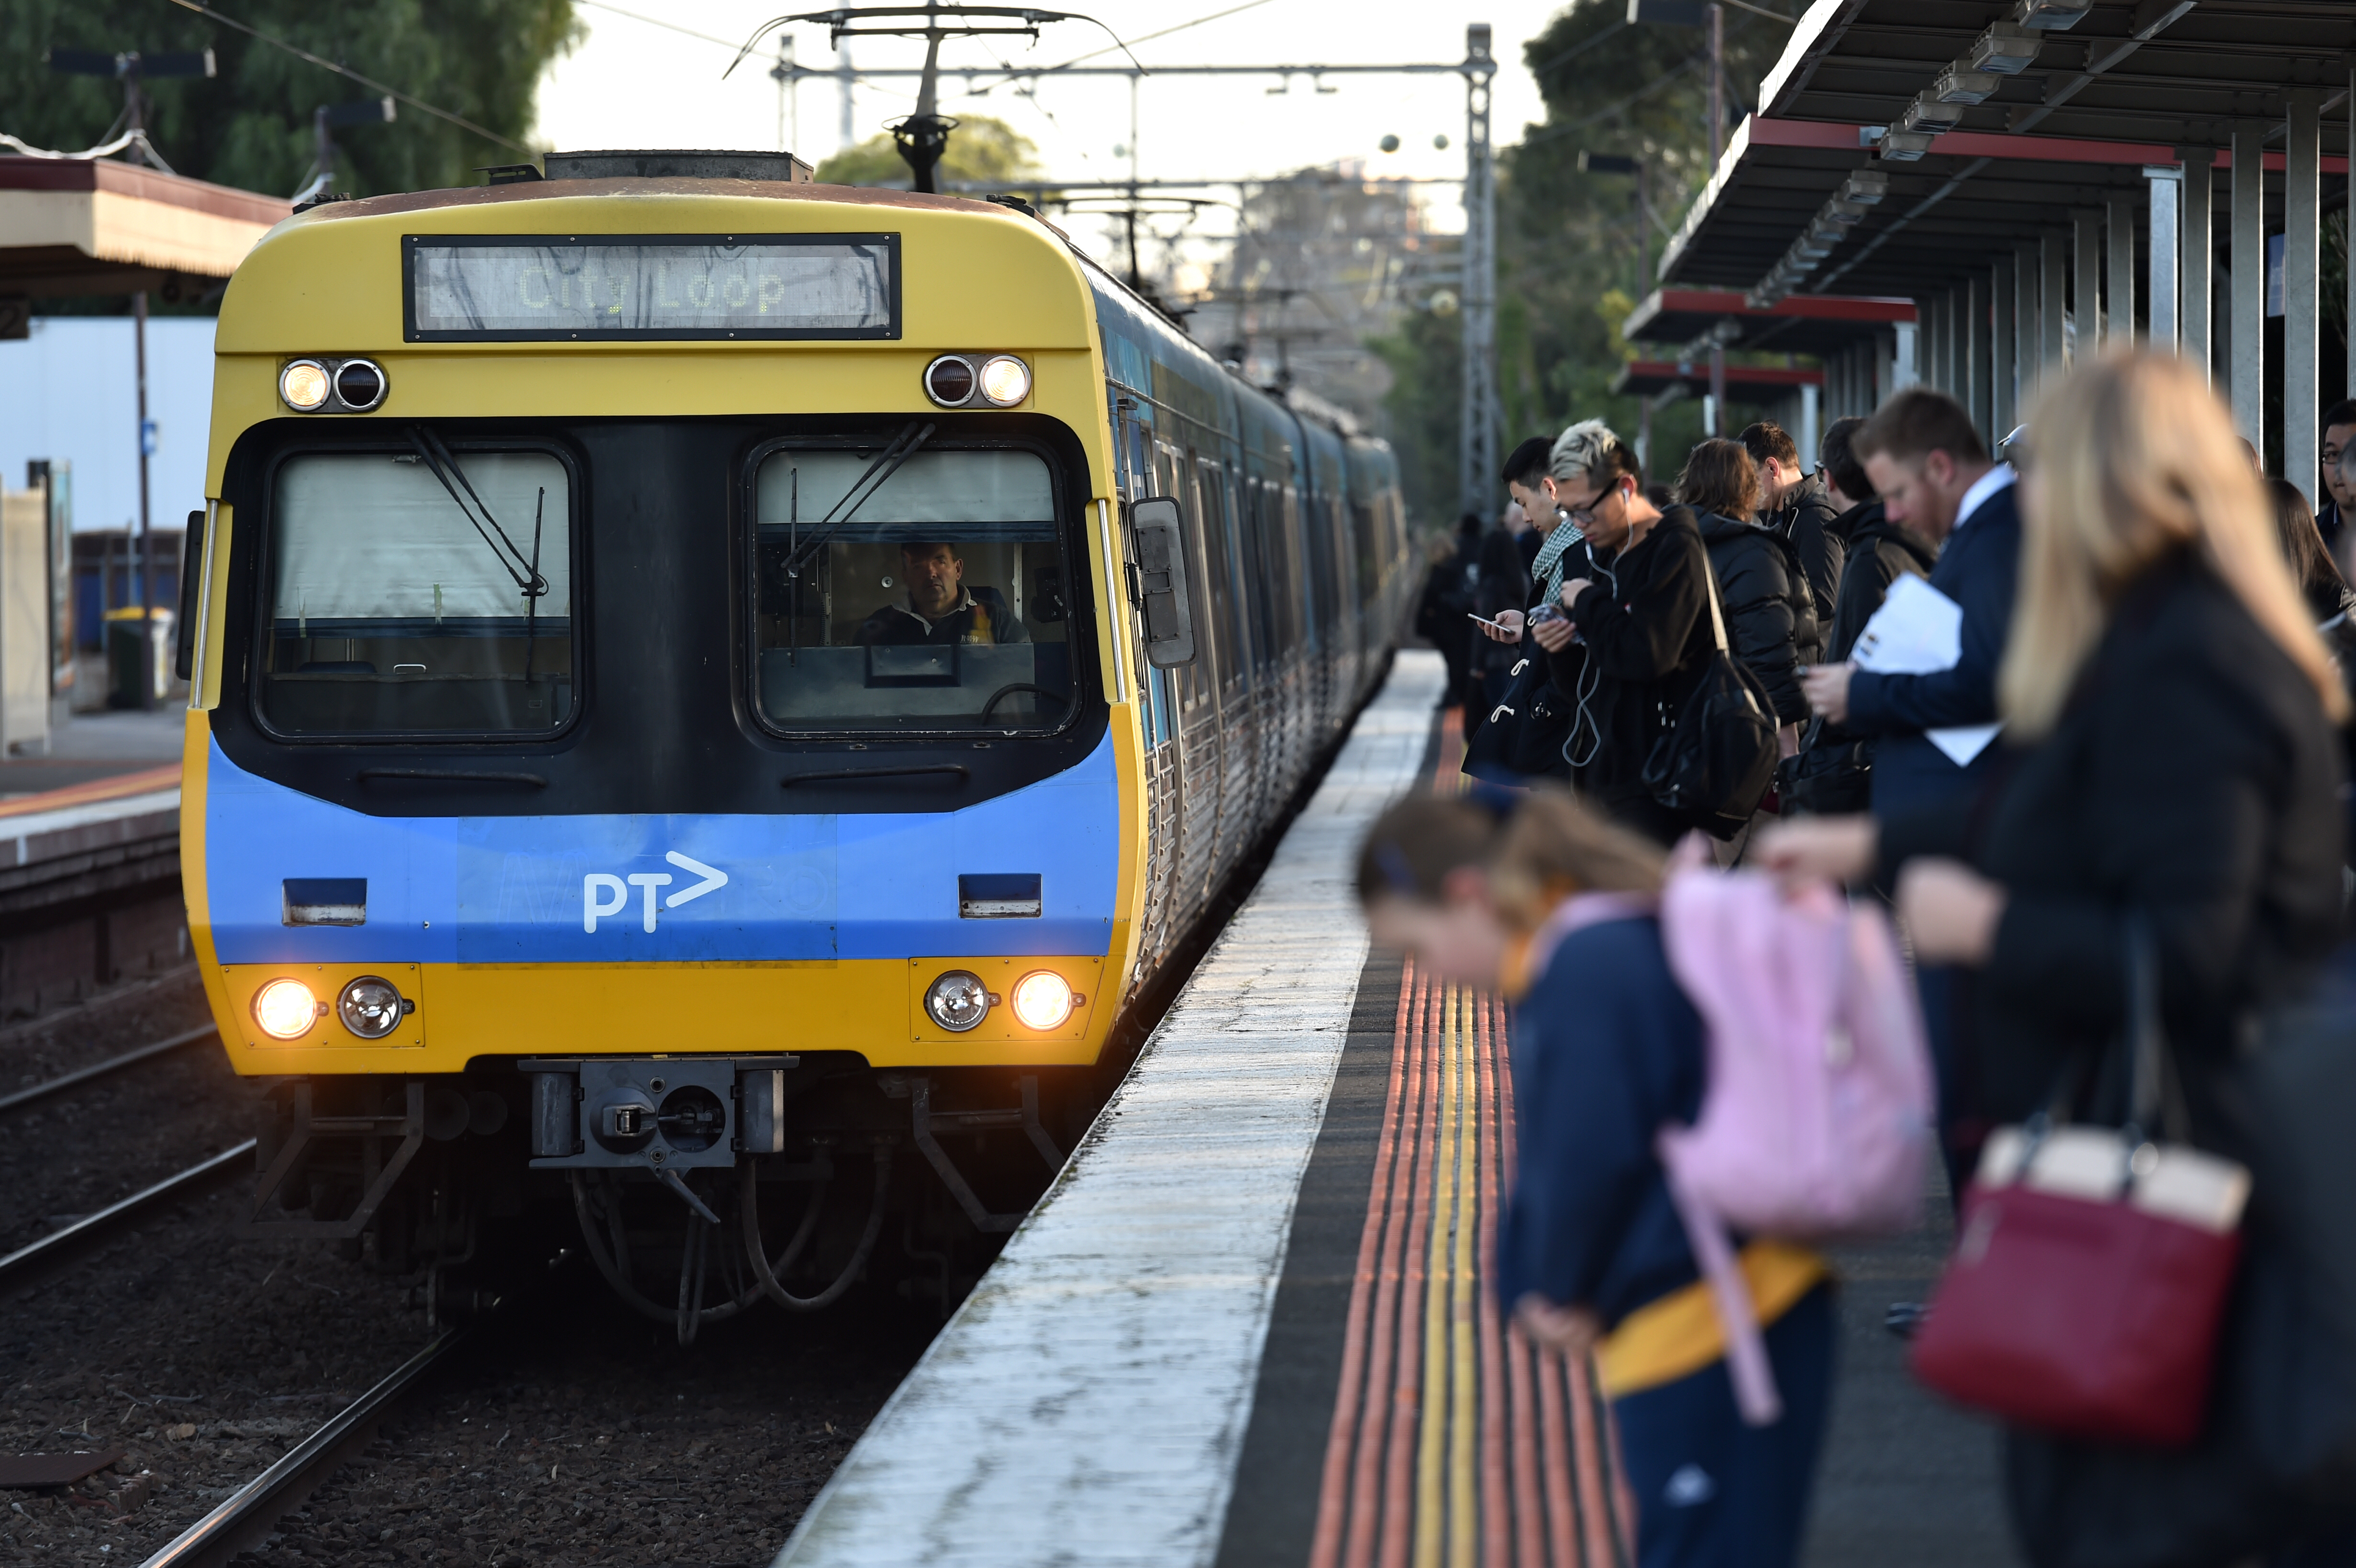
(908,591)
(427,592)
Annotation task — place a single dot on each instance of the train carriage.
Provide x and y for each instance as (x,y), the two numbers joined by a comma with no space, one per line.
(703,683)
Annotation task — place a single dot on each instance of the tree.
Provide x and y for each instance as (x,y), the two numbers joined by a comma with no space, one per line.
(250,125)
(1567,239)
(983,150)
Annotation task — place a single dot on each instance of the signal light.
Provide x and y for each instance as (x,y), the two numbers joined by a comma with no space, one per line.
(957,1000)
(371,1007)
(1005,380)
(1044,999)
(304,384)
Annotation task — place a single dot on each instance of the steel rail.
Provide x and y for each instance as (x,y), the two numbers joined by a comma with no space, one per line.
(24,1260)
(245,1519)
(113,1064)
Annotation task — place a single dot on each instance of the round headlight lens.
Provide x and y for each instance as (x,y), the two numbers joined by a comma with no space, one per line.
(1043,1000)
(370,1007)
(949,381)
(304,385)
(957,1000)
(1005,380)
(360,384)
(285,1009)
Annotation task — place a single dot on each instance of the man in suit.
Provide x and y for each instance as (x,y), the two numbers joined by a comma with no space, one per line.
(1934,476)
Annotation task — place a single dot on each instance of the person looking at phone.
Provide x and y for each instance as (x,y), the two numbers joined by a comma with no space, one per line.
(1537,486)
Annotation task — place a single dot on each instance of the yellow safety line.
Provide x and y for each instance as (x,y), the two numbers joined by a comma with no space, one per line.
(1463,1515)
(1431,1497)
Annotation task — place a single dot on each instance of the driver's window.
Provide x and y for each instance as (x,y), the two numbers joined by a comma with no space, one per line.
(936,598)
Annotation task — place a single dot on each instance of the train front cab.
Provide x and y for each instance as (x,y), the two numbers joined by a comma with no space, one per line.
(572,787)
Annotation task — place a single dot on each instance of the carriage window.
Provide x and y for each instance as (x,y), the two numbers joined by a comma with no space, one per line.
(424,592)
(936,598)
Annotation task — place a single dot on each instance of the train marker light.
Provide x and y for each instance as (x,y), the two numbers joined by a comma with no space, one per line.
(371,1008)
(359,384)
(949,381)
(304,384)
(1005,380)
(957,1000)
(1043,1000)
(285,1009)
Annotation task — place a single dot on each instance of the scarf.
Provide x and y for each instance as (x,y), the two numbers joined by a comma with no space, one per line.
(1547,568)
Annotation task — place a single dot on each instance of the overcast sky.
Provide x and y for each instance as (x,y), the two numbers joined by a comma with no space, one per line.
(636,84)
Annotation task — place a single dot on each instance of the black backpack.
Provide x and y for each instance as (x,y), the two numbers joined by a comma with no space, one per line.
(1717,760)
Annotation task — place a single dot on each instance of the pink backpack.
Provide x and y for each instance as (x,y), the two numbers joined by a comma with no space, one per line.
(1817,1121)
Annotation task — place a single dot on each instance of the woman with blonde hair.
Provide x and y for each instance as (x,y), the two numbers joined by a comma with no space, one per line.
(1536,895)
(2169,711)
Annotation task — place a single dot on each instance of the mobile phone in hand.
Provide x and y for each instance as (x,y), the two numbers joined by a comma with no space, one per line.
(1483,620)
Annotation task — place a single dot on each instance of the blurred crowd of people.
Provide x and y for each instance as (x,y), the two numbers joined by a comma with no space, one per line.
(2103,736)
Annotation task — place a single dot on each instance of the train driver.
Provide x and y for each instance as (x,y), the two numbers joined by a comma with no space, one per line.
(939,607)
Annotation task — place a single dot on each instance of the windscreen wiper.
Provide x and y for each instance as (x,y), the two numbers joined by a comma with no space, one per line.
(887,464)
(445,467)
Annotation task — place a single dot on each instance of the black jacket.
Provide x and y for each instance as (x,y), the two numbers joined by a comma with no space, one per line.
(1807,519)
(1646,627)
(1879,551)
(1770,621)
(2193,778)
(1503,585)
(982,616)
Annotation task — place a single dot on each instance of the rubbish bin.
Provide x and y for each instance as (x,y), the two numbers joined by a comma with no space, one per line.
(139,647)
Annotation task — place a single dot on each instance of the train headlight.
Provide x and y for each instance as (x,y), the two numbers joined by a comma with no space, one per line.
(371,1008)
(957,1000)
(1005,380)
(1043,1000)
(304,384)
(949,381)
(285,1009)
(359,384)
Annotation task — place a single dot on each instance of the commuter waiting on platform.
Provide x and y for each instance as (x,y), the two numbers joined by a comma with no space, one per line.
(2172,778)
(940,607)
(2339,485)
(1539,896)
(1793,502)
(1771,617)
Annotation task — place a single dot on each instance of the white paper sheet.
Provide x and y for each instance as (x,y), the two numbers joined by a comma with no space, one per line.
(1918,630)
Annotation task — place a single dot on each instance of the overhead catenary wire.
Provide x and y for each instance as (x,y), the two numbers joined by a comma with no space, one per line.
(370,82)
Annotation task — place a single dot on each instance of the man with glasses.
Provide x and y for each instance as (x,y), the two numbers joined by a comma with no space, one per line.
(2340,495)
(1638,605)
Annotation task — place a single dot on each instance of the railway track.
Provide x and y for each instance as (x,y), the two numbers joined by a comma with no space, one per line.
(246,1518)
(53,1249)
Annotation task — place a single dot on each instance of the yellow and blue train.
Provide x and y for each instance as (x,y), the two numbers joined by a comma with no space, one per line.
(700,679)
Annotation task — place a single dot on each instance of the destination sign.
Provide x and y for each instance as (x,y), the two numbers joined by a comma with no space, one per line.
(534,287)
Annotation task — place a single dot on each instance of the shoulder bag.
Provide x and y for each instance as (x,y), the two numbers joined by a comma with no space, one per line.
(1522,736)
(1717,759)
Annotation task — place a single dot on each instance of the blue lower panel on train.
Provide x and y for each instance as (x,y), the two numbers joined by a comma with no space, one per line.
(678,889)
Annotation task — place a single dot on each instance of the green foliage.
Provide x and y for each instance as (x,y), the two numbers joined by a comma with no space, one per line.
(980,149)
(250,126)
(1567,239)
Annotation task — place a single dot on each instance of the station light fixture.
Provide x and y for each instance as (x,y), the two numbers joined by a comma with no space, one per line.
(1959,83)
(285,1009)
(2006,48)
(2051,16)
(1902,146)
(1928,114)
(1043,1000)
(371,1007)
(957,1000)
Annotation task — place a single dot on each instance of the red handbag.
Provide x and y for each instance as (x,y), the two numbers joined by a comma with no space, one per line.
(2088,1288)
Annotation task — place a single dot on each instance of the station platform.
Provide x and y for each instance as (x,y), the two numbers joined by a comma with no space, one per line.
(1249,1325)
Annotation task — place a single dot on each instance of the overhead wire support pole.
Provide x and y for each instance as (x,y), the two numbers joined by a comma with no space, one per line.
(1477,431)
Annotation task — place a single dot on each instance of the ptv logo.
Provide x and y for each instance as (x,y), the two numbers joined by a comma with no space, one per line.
(594,907)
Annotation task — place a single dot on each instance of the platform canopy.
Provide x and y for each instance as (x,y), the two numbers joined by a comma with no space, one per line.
(1798,324)
(74,226)
(2041,176)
